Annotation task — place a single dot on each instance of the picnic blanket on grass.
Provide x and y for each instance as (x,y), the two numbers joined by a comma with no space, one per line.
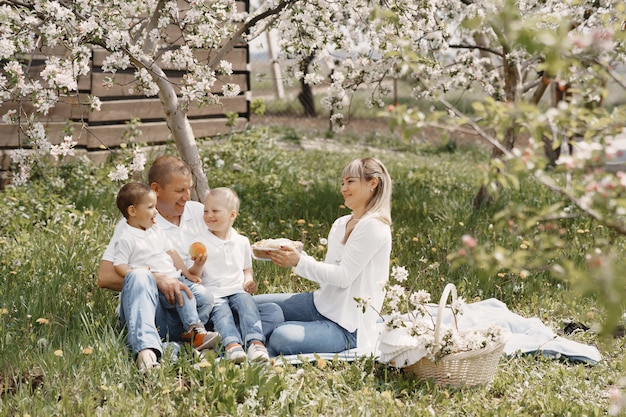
(527,336)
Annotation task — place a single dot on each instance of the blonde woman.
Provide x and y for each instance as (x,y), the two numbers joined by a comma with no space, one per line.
(356,266)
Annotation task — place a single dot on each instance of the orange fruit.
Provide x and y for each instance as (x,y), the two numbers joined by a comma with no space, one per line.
(196,249)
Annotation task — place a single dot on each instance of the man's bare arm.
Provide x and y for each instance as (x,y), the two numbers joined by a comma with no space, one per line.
(108,278)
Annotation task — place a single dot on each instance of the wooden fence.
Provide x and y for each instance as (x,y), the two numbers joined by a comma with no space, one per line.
(104,129)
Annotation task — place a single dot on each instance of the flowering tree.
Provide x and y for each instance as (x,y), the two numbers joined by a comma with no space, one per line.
(144,35)
(507,52)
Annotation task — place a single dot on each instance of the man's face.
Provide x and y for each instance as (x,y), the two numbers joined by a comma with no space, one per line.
(172,197)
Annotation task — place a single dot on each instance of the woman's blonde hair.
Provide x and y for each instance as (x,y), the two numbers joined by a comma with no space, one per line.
(366,169)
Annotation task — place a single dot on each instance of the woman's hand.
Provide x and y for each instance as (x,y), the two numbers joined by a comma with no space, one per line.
(286,257)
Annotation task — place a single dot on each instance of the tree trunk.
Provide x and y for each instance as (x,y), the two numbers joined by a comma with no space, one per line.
(181,129)
(306,97)
(175,116)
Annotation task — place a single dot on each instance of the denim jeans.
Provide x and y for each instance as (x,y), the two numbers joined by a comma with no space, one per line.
(193,311)
(147,317)
(249,325)
(271,316)
(141,312)
(305,330)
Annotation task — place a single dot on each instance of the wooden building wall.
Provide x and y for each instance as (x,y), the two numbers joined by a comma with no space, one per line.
(105,129)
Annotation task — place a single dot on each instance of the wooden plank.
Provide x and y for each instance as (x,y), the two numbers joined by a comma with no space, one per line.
(151,109)
(154,133)
(55,131)
(61,112)
(124,84)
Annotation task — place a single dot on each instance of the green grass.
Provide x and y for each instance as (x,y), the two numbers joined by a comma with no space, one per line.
(53,232)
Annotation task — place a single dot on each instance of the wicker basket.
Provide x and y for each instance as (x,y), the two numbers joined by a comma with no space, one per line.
(463,368)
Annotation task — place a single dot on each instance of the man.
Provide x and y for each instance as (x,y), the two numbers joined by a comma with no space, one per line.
(147,319)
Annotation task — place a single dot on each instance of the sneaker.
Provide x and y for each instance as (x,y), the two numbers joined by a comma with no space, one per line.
(201,339)
(257,352)
(147,360)
(235,353)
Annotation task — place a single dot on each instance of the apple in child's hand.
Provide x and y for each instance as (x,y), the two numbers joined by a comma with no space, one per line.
(196,249)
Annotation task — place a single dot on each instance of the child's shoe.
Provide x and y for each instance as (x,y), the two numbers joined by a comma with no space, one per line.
(234,352)
(201,339)
(257,352)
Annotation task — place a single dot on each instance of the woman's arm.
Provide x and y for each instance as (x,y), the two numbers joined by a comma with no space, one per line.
(366,240)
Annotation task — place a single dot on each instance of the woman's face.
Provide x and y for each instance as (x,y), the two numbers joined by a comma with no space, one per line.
(356,192)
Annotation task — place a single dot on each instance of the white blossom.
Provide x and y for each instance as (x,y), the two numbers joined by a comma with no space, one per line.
(64,149)
(231,90)
(225,67)
(119,174)
(399,273)
(139,161)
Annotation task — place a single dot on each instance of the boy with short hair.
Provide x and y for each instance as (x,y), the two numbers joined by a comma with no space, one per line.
(226,270)
(144,245)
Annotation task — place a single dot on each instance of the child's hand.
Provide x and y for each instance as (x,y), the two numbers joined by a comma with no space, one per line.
(191,277)
(194,278)
(249,287)
(200,259)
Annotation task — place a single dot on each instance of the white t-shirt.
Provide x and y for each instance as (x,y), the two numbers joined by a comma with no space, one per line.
(222,273)
(191,226)
(145,248)
(360,268)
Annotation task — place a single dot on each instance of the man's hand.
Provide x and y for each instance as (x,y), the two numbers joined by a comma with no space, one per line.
(172,289)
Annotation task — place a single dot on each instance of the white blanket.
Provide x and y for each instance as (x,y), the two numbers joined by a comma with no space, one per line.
(527,335)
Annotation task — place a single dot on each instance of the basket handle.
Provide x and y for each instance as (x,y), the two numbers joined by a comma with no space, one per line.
(449,289)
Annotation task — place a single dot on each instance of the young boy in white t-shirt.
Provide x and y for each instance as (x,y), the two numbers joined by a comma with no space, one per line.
(144,245)
(226,270)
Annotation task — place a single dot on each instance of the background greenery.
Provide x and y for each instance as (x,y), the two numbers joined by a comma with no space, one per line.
(61,352)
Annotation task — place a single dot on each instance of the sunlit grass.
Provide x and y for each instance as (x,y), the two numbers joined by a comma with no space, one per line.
(62,353)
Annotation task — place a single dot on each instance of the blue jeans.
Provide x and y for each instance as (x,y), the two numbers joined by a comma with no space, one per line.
(248,328)
(271,316)
(146,316)
(193,311)
(305,330)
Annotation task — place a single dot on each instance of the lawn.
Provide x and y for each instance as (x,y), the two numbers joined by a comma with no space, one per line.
(61,352)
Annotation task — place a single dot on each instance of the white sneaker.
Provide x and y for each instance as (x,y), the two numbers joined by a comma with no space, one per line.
(146,360)
(235,354)
(257,352)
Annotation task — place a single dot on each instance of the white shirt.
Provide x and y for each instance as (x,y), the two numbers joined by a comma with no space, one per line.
(360,268)
(222,273)
(191,226)
(139,248)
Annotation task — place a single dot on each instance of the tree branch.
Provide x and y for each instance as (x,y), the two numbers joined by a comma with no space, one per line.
(238,36)
(480,48)
(496,143)
(618,226)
